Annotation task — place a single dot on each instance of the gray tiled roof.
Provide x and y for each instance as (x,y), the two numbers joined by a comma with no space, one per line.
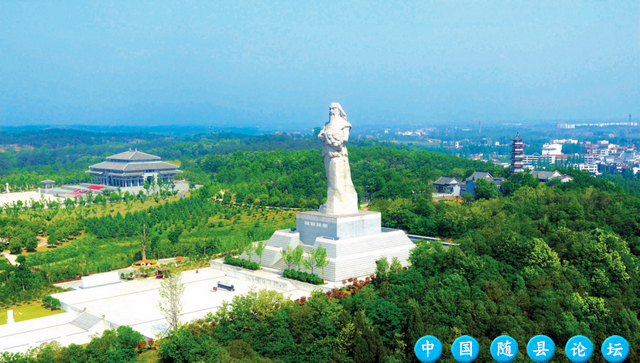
(544,175)
(134,166)
(479,175)
(446,180)
(133,156)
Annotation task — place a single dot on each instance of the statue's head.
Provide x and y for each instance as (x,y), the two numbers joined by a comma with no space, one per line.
(336,109)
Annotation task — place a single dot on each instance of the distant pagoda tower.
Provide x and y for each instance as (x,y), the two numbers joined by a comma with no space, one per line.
(517,154)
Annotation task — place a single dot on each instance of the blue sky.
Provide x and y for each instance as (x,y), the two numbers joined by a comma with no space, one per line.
(238,63)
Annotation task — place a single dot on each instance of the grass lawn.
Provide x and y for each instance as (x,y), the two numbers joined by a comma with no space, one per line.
(28,312)
(148,356)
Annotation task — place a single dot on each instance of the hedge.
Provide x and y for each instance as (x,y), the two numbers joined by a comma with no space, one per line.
(241,262)
(302,276)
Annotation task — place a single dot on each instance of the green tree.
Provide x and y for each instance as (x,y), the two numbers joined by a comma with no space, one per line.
(15,246)
(249,198)
(249,250)
(52,240)
(382,273)
(260,250)
(395,267)
(31,242)
(368,346)
(114,198)
(387,317)
(21,260)
(147,186)
(70,203)
(55,304)
(171,291)
(73,353)
(62,234)
(308,263)
(485,189)
(415,328)
(184,346)
(287,257)
(467,197)
(320,260)
(297,257)
(274,201)
(226,198)
(174,236)
(516,181)
(127,340)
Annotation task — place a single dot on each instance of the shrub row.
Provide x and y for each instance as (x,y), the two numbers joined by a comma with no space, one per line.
(241,262)
(302,276)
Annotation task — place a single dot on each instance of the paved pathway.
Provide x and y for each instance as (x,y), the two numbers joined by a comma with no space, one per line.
(10,257)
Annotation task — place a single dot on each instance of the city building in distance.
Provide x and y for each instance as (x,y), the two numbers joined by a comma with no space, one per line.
(131,169)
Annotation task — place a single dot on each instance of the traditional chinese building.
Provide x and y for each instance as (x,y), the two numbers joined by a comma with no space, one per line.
(517,154)
(448,185)
(131,169)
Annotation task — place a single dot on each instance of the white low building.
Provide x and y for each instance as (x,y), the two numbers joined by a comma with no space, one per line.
(591,168)
(552,149)
(539,159)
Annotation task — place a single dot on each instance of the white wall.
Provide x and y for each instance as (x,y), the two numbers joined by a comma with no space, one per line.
(100,279)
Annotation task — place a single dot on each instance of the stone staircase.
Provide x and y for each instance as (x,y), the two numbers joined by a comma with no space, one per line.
(306,248)
(280,265)
(86,321)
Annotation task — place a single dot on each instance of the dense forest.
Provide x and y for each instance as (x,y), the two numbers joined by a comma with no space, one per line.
(47,158)
(559,259)
(285,177)
(556,260)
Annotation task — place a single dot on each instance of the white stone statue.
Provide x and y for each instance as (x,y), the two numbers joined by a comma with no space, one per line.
(341,195)
(6,188)
(10,317)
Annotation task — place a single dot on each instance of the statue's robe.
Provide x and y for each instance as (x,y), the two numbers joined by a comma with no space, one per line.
(341,195)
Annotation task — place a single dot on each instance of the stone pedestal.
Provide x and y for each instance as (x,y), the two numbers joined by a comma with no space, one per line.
(10,317)
(312,225)
(356,257)
(353,242)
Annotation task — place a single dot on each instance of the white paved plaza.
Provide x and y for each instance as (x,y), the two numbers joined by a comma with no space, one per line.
(133,303)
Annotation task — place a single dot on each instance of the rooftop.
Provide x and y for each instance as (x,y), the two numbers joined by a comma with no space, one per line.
(446,180)
(134,166)
(479,175)
(134,155)
(544,175)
